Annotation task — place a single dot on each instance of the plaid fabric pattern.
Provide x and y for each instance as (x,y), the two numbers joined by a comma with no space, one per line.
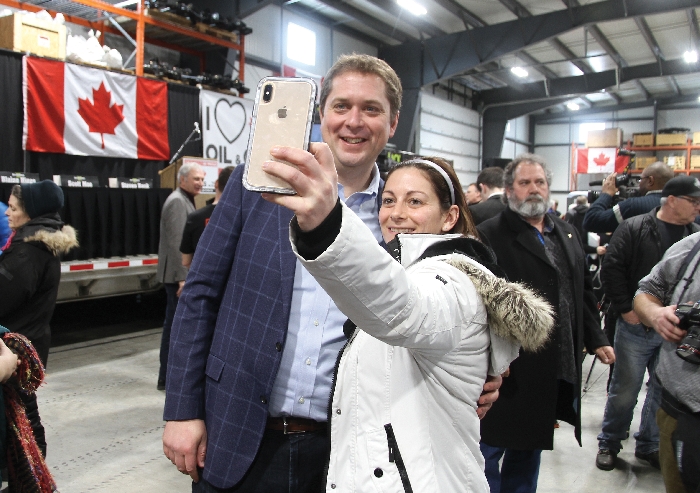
(229,328)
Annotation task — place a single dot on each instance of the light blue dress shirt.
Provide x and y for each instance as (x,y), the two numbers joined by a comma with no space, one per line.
(315,332)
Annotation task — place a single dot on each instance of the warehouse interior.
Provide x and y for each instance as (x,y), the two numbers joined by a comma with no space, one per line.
(484,81)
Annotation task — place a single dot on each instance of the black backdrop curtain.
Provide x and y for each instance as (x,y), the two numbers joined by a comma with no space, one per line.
(183,111)
(11,111)
(110,222)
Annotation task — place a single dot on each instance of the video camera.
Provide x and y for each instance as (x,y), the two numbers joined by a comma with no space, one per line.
(625,182)
(627,185)
(689,348)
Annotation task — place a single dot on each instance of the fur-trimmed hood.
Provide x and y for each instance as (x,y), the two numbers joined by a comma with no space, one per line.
(516,313)
(58,238)
(58,242)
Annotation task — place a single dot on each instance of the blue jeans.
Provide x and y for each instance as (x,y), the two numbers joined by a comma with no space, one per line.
(292,463)
(636,350)
(170,306)
(519,473)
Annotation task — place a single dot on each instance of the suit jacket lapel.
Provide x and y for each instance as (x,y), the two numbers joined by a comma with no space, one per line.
(567,240)
(288,260)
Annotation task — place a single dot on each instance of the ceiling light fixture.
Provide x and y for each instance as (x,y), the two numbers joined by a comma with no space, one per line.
(413,7)
(519,71)
(573,106)
(690,56)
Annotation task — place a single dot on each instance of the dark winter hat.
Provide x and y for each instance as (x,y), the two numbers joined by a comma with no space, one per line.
(41,198)
(682,185)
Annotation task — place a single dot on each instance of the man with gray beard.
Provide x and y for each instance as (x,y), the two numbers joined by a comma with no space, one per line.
(546,253)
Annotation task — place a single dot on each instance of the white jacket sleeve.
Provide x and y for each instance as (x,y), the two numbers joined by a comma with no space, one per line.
(424,308)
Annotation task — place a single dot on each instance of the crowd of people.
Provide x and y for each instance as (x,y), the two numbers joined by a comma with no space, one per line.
(304,355)
(396,332)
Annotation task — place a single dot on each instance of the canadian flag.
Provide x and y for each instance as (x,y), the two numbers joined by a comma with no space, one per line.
(600,160)
(72,109)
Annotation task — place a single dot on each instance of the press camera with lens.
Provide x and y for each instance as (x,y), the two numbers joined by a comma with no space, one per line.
(689,348)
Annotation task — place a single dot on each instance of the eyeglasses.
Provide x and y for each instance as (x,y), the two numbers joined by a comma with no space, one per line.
(692,200)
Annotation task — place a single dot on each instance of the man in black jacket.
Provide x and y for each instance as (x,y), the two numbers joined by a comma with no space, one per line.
(545,253)
(604,217)
(636,246)
(490,182)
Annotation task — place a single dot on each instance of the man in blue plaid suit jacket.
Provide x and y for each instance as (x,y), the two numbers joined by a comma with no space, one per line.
(255,339)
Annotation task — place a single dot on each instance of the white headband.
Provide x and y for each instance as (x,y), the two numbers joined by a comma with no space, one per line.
(439,170)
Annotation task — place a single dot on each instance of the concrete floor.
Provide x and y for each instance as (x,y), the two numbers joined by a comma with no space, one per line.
(103,418)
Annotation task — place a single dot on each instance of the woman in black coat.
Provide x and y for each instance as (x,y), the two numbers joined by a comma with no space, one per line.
(30,270)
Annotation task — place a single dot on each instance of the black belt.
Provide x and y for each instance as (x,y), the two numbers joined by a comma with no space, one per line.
(290,424)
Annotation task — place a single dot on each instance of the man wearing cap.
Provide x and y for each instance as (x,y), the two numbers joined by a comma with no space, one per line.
(636,246)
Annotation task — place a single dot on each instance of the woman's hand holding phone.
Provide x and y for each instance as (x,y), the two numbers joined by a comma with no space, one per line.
(314,179)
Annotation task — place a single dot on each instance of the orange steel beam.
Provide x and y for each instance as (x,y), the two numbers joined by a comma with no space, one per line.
(140,35)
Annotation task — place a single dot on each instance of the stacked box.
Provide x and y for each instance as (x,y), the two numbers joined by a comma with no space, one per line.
(26,33)
(610,137)
(671,139)
(675,162)
(696,138)
(642,162)
(695,161)
(643,140)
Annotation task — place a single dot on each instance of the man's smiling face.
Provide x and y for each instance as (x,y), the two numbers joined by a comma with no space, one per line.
(356,121)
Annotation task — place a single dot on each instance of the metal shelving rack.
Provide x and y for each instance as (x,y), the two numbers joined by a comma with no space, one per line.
(105,17)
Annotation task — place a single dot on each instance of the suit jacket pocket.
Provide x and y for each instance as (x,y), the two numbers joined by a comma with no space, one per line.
(215,367)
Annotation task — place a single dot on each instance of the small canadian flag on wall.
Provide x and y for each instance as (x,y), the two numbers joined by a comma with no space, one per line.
(72,109)
(600,160)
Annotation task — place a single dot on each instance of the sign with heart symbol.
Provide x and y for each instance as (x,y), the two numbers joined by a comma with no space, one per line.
(230,118)
(225,127)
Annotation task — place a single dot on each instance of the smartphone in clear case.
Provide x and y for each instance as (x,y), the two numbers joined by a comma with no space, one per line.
(282,116)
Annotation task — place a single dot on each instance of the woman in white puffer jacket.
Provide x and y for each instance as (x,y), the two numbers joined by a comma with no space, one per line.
(429,327)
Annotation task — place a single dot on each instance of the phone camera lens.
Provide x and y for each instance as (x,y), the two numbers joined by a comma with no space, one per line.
(267,93)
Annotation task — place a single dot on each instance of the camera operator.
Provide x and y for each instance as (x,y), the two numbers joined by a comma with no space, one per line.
(636,246)
(679,415)
(604,217)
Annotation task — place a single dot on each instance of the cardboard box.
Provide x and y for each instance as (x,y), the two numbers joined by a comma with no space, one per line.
(695,161)
(671,139)
(642,162)
(643,140)
(21,32)
(675,162)
(696,138)
(610,137)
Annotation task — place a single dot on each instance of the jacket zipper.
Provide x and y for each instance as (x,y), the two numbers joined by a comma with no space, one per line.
(395,456)
(330,402)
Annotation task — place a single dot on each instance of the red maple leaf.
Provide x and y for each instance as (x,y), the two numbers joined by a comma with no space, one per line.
(100,116)
(601,160)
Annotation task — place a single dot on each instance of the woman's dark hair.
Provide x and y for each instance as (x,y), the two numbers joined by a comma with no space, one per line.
(465,223)
(17,192)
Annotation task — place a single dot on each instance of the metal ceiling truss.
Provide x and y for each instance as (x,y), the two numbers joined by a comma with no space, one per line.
(660,103)
(420,63)
(583,84)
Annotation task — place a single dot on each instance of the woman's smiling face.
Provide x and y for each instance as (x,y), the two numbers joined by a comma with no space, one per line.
(410,205)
